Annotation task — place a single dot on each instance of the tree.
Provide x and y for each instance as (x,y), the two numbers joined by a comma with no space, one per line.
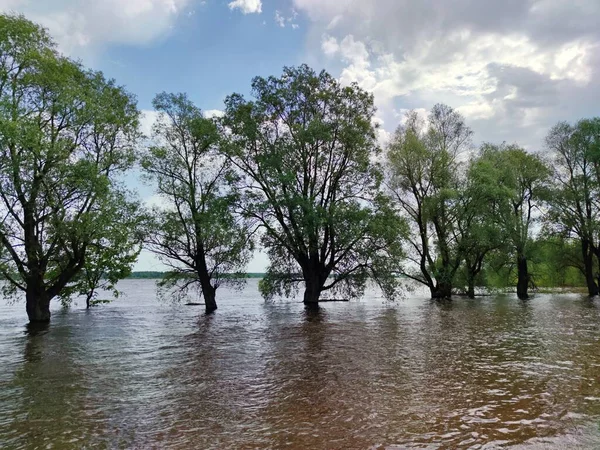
(112,259)
(424,181)
(197,232)
(574,204)
(557,262)
(66,135)
(306,147)
(515,183)
(478,233)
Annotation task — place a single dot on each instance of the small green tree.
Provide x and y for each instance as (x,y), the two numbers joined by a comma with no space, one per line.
(197,233)
(110,259)
(307,148)
(515,183)
(66,135)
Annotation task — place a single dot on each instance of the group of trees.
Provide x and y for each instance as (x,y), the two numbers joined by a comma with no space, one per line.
(297,169)
(474,214)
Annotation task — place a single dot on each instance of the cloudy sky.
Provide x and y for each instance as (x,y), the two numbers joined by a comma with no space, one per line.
(512,67)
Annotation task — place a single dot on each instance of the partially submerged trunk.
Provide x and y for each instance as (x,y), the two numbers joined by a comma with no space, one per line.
(312,292)
(473,269)
(442,290)
(588,268)
(314,280)
(523,278)
(208,290)
(471,288)
(37,305)
(88,299)
(209,294)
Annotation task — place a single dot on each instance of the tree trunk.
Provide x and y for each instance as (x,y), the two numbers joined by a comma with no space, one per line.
(523,278)
(588,265)
(471,288)
(209,294)
(312,292)
(442,289)
(37,306)
(471,275)
(88,299)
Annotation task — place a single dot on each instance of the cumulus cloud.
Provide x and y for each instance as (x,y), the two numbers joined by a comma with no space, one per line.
(247,6)
(513,68)
(147,121)
(210,113)
(80,27)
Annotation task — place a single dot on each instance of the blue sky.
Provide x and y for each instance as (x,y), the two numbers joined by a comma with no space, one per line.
(513,68)
(210,52)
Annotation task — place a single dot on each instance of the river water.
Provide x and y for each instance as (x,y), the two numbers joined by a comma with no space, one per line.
(140,373)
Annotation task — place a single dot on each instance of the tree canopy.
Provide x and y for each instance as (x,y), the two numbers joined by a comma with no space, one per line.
(197,232)
(66,135)
(423,179)
(515,183)
(306,148)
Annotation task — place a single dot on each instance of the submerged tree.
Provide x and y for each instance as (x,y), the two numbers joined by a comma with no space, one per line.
(515,183)
(306,147)
(111,259)
(66,134)
(478,233)
(424,181)
(196,233)
(574,203)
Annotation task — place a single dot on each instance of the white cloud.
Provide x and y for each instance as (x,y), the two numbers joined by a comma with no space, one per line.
(279,19)
(81,27)
(210,113)
(147,120)
(477,110)
(329,45)
(247,6)
(512,68)
(282,20)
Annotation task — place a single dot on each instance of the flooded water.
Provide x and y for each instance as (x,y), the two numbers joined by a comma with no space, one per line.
(488,373)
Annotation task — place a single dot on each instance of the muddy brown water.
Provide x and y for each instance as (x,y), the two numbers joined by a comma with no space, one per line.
(488,373)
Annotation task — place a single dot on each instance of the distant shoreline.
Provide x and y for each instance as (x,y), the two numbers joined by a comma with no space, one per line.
(156,275)
(542,289)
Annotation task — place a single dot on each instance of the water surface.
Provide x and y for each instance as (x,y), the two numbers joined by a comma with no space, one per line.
(488,373)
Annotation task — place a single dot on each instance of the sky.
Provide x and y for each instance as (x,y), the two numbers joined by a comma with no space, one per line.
(513,68)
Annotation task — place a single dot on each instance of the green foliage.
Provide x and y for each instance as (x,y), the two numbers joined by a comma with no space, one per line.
(66,134)
(300,163)
(306,147)
(424,181)
(197,232)
(112,258)
(514,183)
(557,262)
(574,210)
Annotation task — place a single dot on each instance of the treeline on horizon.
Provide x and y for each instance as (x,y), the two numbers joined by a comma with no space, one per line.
(297,169)
(157,275)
